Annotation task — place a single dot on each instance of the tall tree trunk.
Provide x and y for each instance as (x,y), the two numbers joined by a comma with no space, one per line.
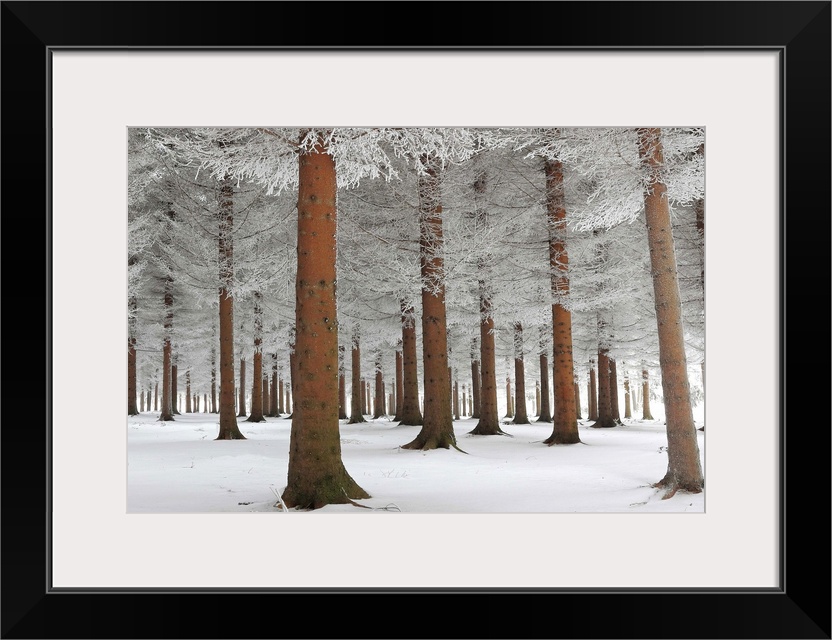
(628,412)
(132,409)
(156,397)
(476,382)
(259,394)
(280,395)
(167,399)
(464,402)
(273,402)
(411,412)
(399,388)
(565,422)
(141,403)
(577,399)
(378,411)
(489,422)
(342,383)
(214,407)
(509,409)
(645,395)
(174,393)
(228,421)
(357,393)
(593,394)
(684,470)
(241,403)
(545,411)
(537,399)
(520,412)
(317,475)
(188,391)
(456,400)
(205,408)
(604,406)
(364,411)
(616,414)
(294,380)
(437,425)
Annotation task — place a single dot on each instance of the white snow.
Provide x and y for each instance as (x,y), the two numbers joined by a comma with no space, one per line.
(178,467)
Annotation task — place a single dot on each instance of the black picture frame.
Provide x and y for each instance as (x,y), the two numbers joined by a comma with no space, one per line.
(800,608)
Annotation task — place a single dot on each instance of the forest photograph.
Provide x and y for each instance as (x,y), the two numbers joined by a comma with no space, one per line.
(452,320)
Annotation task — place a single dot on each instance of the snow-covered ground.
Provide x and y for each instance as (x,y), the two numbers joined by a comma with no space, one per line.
(178,467)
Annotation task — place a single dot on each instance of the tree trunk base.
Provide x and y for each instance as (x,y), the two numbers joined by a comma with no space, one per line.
(521,421)
(562,439)
(253,418)
(356,420)
(230,434)
(487,430)
(672,485)
(544,417)
(411,421)
(426,443)
(604,424)
(341,490)
(166,418)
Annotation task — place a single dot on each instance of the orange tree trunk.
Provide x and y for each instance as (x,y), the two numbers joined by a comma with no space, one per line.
(317,475)
(379,393)
(593,393)
(342,384)
(628,413)
(604,407)
(437,422)
(616,414)
(132,409)
(411,411)
(565,421)
(645,395)
(241,402)
(545,411)
(684,470)
(259,394)
(188,391)
(520,412)
(357,392)
(399,391)
(489,422)
(167,401)
(228,421)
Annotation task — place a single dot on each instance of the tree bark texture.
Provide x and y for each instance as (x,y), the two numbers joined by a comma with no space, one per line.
(132,409)
(489,421)
(399,383)
(520,412)
(167,399)
(259,394)
(357,391)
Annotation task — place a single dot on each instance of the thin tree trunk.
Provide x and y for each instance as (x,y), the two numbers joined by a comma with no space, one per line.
(411,413)
(489,422)
(628,413)
(214,407)
(684,469)
(379,394)
(593,394)
(577,399)
(476,382)
(520,412)
(167,401)
(141,403)
(205,403)
(156,397)
(456,400)
(364,411)
(241,403)
(274,409)
(604,407)
(188,391)
(259,394)
(357,394)
(399,388)
(174,383)
(464,402)
(280,395)
(317,475)
(132,409)
(228,421)
(645,396)
(545,411)
(437,425)
(616,414)
(565,422)
(342,383)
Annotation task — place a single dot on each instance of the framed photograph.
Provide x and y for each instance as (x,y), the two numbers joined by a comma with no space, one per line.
(77,76)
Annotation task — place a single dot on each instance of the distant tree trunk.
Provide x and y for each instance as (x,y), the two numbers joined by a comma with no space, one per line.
(228,421)
(205,407)
(132,409)
(156,397)
(378,409)
(188,391)
(645,396)
(317,475)
(399,383)
(545,411)
(357,393)
(489,422)
(266,395)
(437,424)
(294,380)
(684,470)
(280,407)
(342,383)
(520,412)
(411,413)
(174,383)
(616,414)
(274,409)
(167,400)
(565,422)
(593,397)
(476,382)
(214,407)
(456,400)
(241,403)
(364,397)
(509,410)
(464,402)
(259,395)
(628,413)
(141,403)
(577,399)
(604,406)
